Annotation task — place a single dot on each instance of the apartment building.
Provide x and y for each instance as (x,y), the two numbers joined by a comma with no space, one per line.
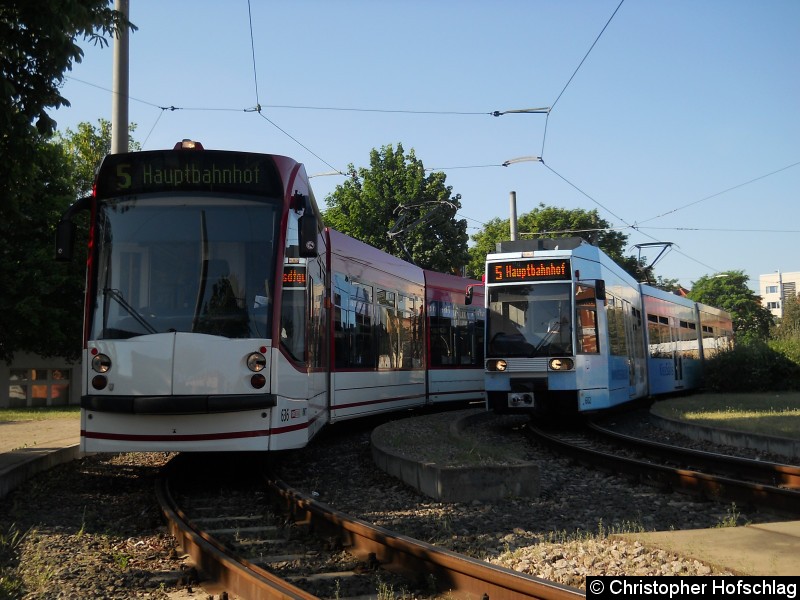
(775,287)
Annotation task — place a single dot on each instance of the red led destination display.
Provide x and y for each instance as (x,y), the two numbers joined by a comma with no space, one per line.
(510,271)
(294,277)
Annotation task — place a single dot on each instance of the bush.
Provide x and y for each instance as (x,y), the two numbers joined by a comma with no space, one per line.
(755,367)
(788,347)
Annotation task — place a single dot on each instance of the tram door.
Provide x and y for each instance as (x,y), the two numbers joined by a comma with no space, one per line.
(634,337)
(637,369)
(677,355)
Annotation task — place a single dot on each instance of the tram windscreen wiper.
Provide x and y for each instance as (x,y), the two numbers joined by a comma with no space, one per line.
(116,295)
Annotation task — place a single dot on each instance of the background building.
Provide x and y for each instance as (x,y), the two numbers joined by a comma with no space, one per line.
(775,287)
(32,381)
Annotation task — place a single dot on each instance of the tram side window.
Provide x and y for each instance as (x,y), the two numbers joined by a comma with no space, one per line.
(293,323)
(443,350)
(363,344)
(341,330)
(376,328)
(461,338)
(353,328)
(418,332)
(658,336)
(586,307)
(709,341)
(387,330)
(689,345)
(410,338)
(316,344)
(456,336)
(715,339)
(617,340)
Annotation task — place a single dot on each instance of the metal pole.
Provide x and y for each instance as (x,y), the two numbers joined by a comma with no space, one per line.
(119,102)
(512,201)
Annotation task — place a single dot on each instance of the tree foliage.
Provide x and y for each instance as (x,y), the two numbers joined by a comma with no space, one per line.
(729,291)
(40,307)
(550,221)
(789,326)
(394,206)
(39,45)
(86,148)
(667,284)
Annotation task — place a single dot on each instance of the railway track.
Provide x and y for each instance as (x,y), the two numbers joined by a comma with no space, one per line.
(710,475)
(258,538)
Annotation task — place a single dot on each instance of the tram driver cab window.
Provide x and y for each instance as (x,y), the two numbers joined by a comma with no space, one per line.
(586,308)
(294,299)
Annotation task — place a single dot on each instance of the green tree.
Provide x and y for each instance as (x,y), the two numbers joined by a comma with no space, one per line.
(394,206)
(666,284)
(729,291)
(86,148)
(38,48)
(549,221)
(39,309)
(788,328)
(40,306)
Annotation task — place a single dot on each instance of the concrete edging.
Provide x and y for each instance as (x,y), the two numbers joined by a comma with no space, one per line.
(457,484)
(729,437)
(36,460)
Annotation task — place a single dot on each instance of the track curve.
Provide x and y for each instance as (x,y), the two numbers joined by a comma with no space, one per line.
(713,476)
(455,575)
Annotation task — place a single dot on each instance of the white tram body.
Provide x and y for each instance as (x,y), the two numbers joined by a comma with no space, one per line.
(568,331)
(221,315)
(378,302)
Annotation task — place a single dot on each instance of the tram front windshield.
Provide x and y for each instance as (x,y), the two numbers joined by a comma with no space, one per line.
(529,320)
(184,264)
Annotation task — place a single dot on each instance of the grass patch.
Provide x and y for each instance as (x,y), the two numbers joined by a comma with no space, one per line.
(767,413)
(38,414)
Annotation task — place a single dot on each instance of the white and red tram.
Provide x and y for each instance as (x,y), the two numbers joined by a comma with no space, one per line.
(220,314)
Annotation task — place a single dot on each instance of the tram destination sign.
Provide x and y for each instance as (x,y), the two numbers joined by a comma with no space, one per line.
(509,271)
(294,277)
(161,171)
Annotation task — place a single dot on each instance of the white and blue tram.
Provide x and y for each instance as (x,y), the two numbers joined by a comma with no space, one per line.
(220,315)
(569,331)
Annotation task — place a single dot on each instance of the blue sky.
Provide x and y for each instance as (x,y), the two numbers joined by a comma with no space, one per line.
(681,125)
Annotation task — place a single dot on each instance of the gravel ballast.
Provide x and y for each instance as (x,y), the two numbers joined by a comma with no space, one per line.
(92,528)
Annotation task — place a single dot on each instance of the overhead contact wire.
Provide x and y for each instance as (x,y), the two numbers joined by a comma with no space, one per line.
(561,93)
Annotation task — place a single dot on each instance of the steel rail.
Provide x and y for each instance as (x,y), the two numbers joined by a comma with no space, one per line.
(235,574)
(460,576)
(710,486)
(456,575)
(771,473)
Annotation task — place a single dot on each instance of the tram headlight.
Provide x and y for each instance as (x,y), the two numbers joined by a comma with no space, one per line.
(256,362)
(496,365)
(101,363)
(561,364)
